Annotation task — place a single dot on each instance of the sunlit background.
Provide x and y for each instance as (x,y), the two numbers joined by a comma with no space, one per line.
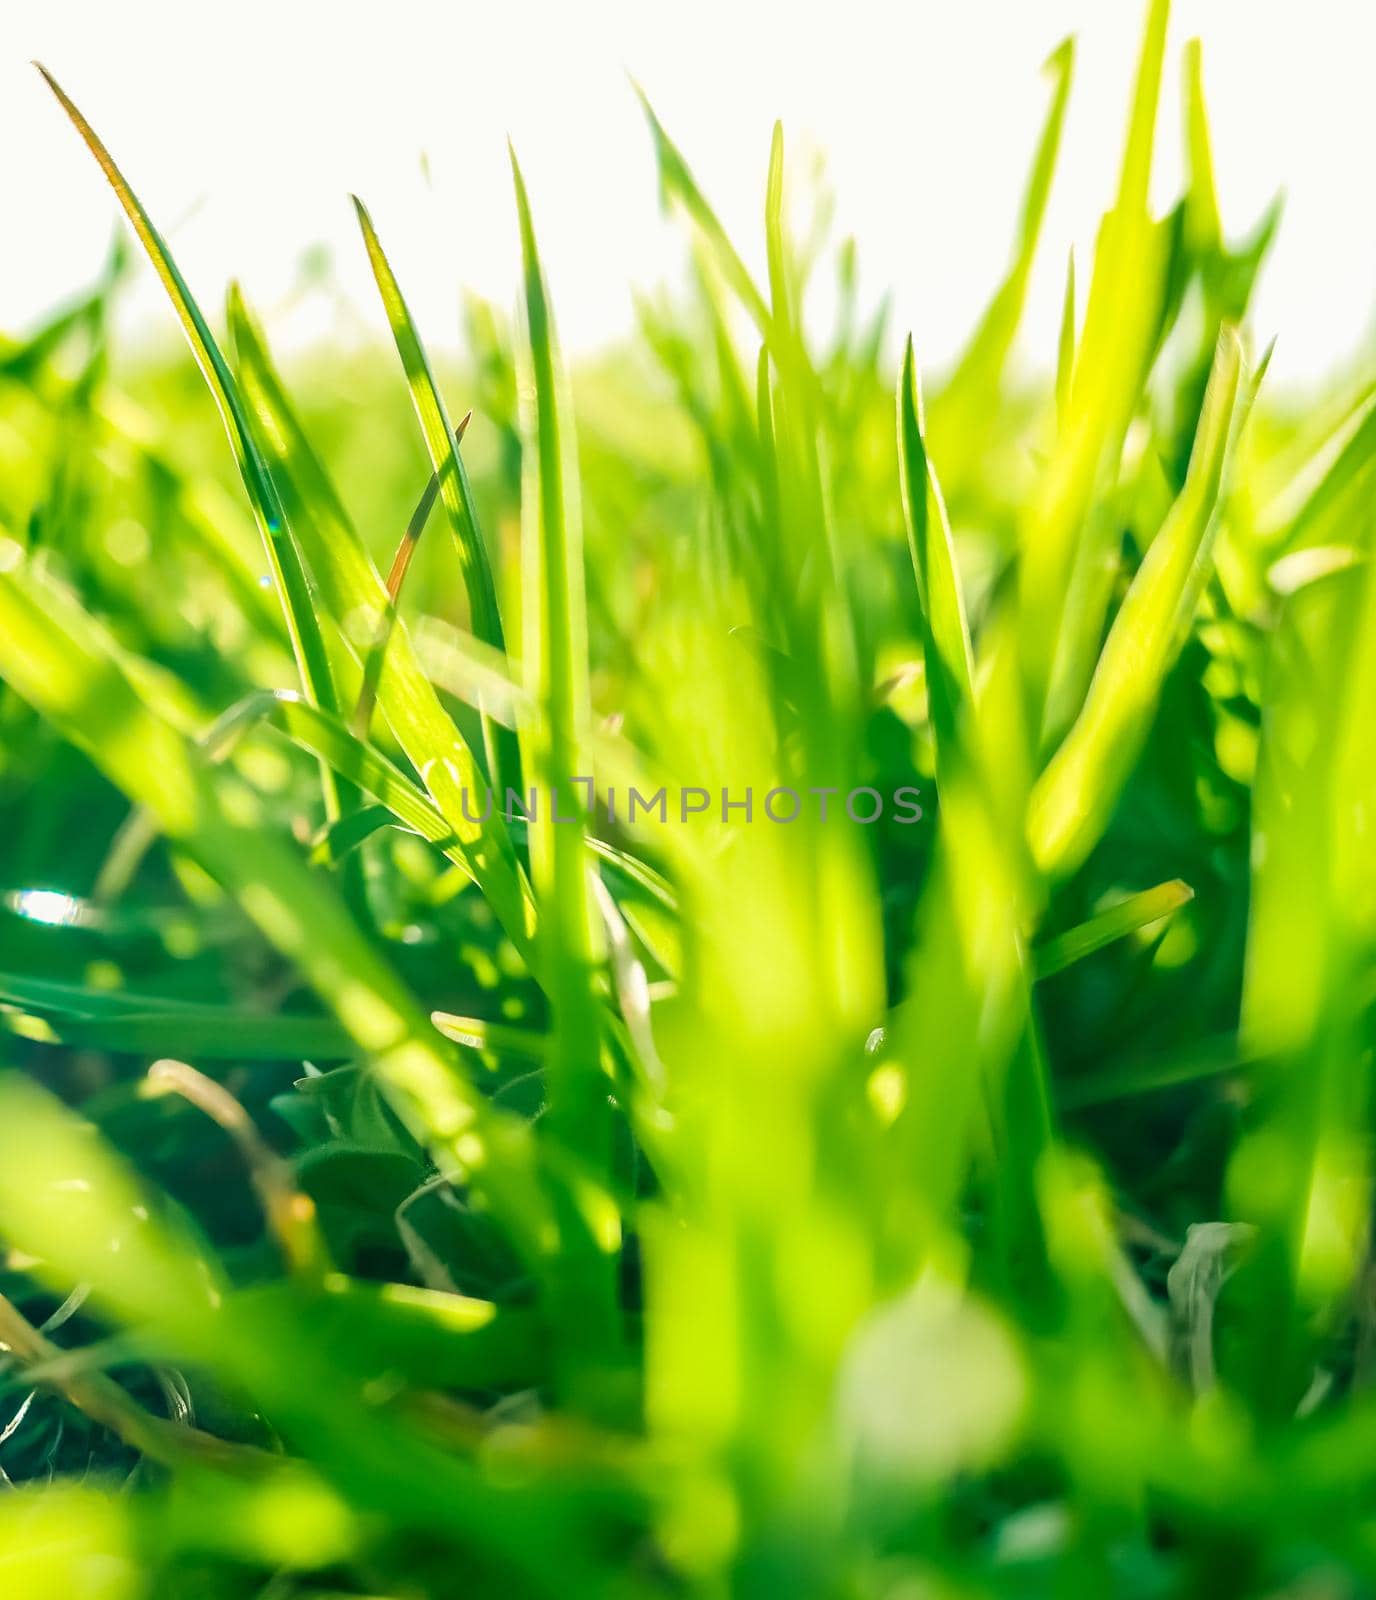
(245,130)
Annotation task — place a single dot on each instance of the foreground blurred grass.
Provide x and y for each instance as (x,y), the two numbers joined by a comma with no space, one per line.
(404,1200)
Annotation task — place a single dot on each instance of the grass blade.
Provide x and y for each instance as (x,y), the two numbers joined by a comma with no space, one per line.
(1303,1174)
(975,911)
(962,413)
(455,490)
(555,658)
(150,1025)
(1075,796)
(284,559)
(1202,213)
(396,577)
(1129,916)
(354,588)
(261,1344)
(950,665)
(51,654)
(679,185)
(1065,345)
(1122,318)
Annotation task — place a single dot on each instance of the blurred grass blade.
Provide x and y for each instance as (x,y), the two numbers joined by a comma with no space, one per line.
(334,841)
(1122,316)
(98,1229)
(971,1060)
(330,742)
(262,1344)
(403,802)
(962,413)
(496,1038)
(950,669)
(1211,1059)
(1303,1174)
(555,659)
(432,1338)
(1330,503)
(126,1020)
(1060,66)
(1075,796)
(977,908)
(1065,347)
(819,651)
(781,289)
(213,1033)
(1202,214)
(679,185)
(329,739)
(52,655)
(1129,916)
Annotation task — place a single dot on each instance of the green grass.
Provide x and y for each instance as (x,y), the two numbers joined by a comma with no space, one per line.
(404,1196)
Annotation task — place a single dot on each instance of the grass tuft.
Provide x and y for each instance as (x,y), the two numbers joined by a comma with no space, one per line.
(820,1047)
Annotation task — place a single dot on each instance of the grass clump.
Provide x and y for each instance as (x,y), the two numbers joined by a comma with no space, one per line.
(495,1105)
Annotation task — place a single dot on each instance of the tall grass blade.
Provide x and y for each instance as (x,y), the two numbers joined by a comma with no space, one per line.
(680,186)
(950,662)
(396,577)
(289,573)
(1065,345)
(1126,295)
(1074,797)
(1118,921)
(963,412)
(1303,1175)
(353,588)
(456,493)
(555,659)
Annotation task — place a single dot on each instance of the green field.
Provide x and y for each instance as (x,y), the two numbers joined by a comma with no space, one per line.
(410,1188)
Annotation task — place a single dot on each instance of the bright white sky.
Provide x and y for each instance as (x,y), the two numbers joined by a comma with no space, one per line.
(245,126)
